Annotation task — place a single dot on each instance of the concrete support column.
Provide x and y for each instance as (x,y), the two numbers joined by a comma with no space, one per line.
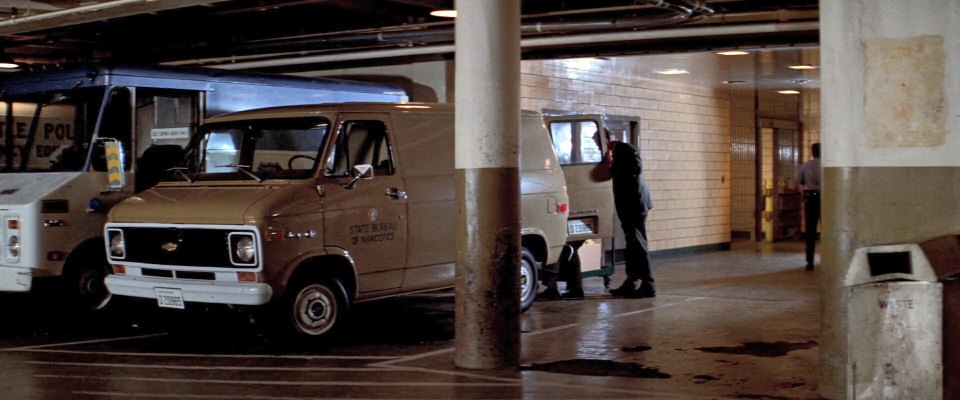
(891,144)
(488,183)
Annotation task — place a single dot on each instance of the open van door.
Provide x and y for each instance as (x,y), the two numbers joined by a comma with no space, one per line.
(578,142)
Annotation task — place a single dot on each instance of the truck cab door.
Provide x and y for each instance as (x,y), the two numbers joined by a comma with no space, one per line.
(366,214)
(579,145)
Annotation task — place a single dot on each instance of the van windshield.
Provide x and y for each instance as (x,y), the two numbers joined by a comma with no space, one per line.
(284,148)
(45,132)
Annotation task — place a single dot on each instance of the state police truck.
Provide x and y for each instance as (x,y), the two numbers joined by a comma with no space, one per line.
(74,142)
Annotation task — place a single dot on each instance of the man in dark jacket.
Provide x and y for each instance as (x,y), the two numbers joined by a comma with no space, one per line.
(632,200)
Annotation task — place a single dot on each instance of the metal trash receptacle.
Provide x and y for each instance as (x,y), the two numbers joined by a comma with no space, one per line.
(895,321)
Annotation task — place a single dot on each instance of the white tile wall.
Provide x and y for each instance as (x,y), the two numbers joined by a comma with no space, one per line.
(685,142)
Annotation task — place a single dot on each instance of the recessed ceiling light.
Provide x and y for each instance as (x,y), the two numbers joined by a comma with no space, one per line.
(671,71)
(805,66)
(444,13)
(733,53)
(734,82)
(791,91)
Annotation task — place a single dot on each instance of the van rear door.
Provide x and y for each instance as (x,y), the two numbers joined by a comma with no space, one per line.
(577,141)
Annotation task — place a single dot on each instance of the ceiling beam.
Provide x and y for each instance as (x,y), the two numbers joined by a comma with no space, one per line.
(93,13)
(526,43)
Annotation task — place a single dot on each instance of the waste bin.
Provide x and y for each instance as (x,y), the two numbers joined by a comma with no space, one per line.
(900,341)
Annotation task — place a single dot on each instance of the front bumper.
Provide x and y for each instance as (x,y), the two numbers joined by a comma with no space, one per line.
(15,279)
(218,292)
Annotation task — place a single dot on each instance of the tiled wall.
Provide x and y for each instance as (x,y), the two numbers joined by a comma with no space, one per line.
(743,159)
(698,142)
(810,120)
(685,141)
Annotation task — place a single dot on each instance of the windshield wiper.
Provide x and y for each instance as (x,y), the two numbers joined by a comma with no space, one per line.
(181,173)
(241,169)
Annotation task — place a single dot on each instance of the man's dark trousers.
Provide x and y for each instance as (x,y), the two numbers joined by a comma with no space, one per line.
(811,207)
(636,257)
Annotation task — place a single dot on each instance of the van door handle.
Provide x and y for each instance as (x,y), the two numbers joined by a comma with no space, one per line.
(396,193)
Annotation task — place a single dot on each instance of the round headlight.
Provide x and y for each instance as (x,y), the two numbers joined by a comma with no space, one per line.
(245,249)
(117,247)
(13,246)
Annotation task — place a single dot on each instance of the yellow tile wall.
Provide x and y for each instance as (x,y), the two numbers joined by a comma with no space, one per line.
(685,133)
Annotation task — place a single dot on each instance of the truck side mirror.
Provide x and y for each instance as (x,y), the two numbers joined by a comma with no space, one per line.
(113,154)
(360,171)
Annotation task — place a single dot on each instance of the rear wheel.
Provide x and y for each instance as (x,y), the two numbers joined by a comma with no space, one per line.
(529,284)
(315,307)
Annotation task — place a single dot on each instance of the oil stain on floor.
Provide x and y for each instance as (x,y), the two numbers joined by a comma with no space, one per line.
(762,349)
(592,367)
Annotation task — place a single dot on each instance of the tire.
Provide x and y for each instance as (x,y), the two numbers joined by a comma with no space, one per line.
(314,308)
(83,280)
(529,282)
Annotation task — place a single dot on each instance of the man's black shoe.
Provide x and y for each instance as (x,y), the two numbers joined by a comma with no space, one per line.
(625,290)
(572,295)
(549,294)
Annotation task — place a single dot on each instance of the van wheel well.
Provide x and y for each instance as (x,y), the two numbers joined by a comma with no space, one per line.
(536,245)
(326,267)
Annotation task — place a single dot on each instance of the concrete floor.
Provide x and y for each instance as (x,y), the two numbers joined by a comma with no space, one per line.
(739,324)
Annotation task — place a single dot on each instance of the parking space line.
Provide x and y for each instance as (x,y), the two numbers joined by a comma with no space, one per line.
(207,367)
(615,316)
(194,355)
(415,357)
(128,395)
(277,382)
(463,374)
(91,341)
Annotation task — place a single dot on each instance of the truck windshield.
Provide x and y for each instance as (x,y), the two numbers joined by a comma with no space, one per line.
(262,149)
(46,132)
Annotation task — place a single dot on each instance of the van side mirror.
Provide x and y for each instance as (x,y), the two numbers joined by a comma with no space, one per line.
(113,154)
(360,171)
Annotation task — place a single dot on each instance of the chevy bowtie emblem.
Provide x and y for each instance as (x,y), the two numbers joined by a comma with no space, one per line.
(169,247)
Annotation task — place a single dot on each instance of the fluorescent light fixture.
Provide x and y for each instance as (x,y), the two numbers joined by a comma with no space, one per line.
(671,71)
(9,65)
(733,53)
(790,91)
(444,13)
(734,82)
(805,66)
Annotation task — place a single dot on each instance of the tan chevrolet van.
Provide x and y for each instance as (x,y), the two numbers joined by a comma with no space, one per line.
(313,208)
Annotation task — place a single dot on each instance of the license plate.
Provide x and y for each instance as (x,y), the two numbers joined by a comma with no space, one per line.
(169,298)
(579,226)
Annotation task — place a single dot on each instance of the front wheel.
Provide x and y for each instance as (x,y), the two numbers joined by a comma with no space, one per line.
(529,284)
(314,308)
(83,280)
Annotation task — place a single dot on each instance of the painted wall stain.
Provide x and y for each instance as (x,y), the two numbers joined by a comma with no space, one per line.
(904,101)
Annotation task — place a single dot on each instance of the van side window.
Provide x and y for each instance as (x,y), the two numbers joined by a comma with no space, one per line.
(574,143)
(361,142)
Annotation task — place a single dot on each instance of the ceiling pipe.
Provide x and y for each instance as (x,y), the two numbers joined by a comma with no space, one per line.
(533,43)
(93,13)
(433,33)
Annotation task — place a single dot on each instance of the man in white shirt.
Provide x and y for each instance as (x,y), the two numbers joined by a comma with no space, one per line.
(808,176)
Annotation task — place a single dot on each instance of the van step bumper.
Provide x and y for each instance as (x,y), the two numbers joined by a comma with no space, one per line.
(240,293)
(15,279)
